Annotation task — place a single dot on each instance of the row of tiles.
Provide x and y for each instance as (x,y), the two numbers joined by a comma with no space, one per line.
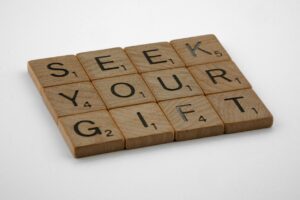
(148,87)
(117,61)
(151,123)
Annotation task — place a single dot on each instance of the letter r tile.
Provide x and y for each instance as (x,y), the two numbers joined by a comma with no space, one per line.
(219,77)
(241,110)
(155,56)
(106,63)
(56,71)
(72,99)
(200,50)
(143,125)
(91,133)
(192,117)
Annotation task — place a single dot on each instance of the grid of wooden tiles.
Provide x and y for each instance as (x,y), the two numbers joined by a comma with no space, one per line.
(149,94)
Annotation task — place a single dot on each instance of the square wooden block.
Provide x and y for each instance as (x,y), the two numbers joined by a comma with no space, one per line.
(200,50)
(241,110)
(106,63)
(172,84)
(123,91)
(219,77)
(143,125)
(155,56)
(56,71)
(91,133)
(192,117)
(72,99)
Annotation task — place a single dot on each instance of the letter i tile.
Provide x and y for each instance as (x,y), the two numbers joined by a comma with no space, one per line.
(143,125)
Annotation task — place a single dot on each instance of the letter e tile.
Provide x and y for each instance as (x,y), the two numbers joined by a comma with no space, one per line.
(106,63)
(155,56)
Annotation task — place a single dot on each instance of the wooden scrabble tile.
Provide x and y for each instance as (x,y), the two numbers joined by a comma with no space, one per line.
(241,110)
(72,99)
(172,84)
(200,50)
(192,117)
(155,56)
(123,91)
(91,133)
(143,125)
(106,63)
(219,77)
(56,71)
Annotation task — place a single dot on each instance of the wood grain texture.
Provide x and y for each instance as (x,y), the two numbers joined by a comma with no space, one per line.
(219,77)
(154,56)
(192,117)
(91,133)
(172,84)
(106,63)
(56,71)
(155,93)
(123,91)
(72,99)
(200,50)
(143,125)
(241,110)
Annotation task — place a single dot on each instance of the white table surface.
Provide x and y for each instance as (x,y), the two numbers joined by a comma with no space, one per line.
(262,37)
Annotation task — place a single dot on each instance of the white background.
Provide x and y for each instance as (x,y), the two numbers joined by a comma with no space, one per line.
(262,37)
